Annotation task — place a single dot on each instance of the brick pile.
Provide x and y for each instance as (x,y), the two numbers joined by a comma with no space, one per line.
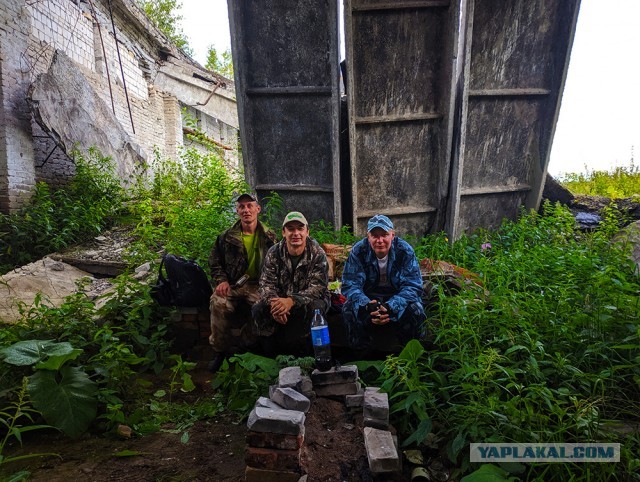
(276,428)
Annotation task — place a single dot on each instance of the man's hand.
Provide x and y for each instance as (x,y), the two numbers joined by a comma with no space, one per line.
(381,315)
(223,289)
(282,319)
(280,307)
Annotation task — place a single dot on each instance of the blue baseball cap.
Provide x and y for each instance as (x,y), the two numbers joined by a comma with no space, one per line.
(380,221)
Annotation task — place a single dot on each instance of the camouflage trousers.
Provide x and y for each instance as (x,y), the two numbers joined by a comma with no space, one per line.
(231,324)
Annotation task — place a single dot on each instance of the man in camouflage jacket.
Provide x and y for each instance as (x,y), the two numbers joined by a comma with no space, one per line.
(237,254)
(293,284)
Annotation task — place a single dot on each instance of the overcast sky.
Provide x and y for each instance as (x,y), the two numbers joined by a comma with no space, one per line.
(599,122)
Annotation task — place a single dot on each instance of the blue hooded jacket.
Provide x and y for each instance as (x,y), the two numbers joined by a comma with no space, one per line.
(361,275)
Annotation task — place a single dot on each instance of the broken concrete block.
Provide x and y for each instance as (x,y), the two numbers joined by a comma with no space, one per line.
(291,377)
(335,375)
(375,405)
(353,401)
(263,419)
(337,389)
(274,440)
(253,474)
(267,403)
(272,459)
(291,400)
(381,451)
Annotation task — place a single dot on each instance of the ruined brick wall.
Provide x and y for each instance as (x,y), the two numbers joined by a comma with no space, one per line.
(31,31)
(16,148)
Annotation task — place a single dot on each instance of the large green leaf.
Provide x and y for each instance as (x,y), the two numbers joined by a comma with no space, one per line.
(69,404)
(489,473)
(30,352)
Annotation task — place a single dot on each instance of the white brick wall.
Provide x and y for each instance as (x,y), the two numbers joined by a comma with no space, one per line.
(61,25)
(30,32)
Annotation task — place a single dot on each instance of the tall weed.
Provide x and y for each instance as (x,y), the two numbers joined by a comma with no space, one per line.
(549,355)
(55,218)
(617,183)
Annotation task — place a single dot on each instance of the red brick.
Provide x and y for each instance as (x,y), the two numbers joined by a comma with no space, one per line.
(272,459)
(274,440)
(260,475)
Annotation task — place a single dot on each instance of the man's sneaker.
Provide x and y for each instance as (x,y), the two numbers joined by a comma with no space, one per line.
(216,362)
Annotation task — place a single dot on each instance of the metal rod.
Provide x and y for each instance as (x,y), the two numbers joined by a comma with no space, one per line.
(104,53)
(124,82)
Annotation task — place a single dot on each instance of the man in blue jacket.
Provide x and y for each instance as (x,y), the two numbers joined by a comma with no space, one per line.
(383,286)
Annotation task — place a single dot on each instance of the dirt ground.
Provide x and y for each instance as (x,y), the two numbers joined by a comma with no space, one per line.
(333,450)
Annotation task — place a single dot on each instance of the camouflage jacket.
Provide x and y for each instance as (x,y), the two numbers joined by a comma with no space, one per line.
(228,260)
(307,283)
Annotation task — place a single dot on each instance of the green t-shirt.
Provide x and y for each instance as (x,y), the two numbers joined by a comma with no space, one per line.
(250,242)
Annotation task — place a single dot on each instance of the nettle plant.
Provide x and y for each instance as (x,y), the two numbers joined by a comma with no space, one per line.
(550,354)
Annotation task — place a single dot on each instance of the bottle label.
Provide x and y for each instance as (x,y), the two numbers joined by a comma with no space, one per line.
(320,335)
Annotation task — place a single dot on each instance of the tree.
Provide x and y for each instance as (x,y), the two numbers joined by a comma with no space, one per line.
(163,14)
(222,64)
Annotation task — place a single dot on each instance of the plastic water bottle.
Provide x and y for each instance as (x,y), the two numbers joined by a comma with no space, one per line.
(321,342)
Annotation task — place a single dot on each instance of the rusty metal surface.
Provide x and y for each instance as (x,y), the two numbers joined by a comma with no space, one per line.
(286,69)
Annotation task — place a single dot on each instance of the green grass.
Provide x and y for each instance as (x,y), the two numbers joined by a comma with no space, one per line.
(620,182)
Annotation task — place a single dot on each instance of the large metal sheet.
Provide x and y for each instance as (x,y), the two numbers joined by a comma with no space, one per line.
(286,71)
(516,58)
(401,58)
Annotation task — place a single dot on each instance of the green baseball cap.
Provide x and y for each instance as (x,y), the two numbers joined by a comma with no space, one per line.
(295,216)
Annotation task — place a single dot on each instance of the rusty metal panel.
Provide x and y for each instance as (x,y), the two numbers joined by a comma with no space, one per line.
(515,62)
(286,71)
(400,63)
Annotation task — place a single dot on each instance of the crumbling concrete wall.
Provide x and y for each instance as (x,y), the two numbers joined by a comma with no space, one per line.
(159,79)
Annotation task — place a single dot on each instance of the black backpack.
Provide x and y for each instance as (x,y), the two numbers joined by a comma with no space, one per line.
(186,283)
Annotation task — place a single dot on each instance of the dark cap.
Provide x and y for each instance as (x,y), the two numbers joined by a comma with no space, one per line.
(380,221)
(250,194)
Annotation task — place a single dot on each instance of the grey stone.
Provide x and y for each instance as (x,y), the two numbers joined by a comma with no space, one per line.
(343,374)
(376,405)
(337,389)
(272,420)
(290,399)
(267,403)
(307,384)
(291,377)
(272,388)
(66,106)
(356,400)
(381,451)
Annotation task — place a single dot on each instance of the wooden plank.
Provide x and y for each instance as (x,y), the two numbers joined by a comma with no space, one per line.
(507,125)
(296,90)
(507,92)
(293,187)
(494,190)
(400,5)
(397,211)
(288,97)
(383,119)
(400,91)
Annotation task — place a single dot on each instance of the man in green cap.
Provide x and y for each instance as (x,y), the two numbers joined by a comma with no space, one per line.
(235,263)
(293,284)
